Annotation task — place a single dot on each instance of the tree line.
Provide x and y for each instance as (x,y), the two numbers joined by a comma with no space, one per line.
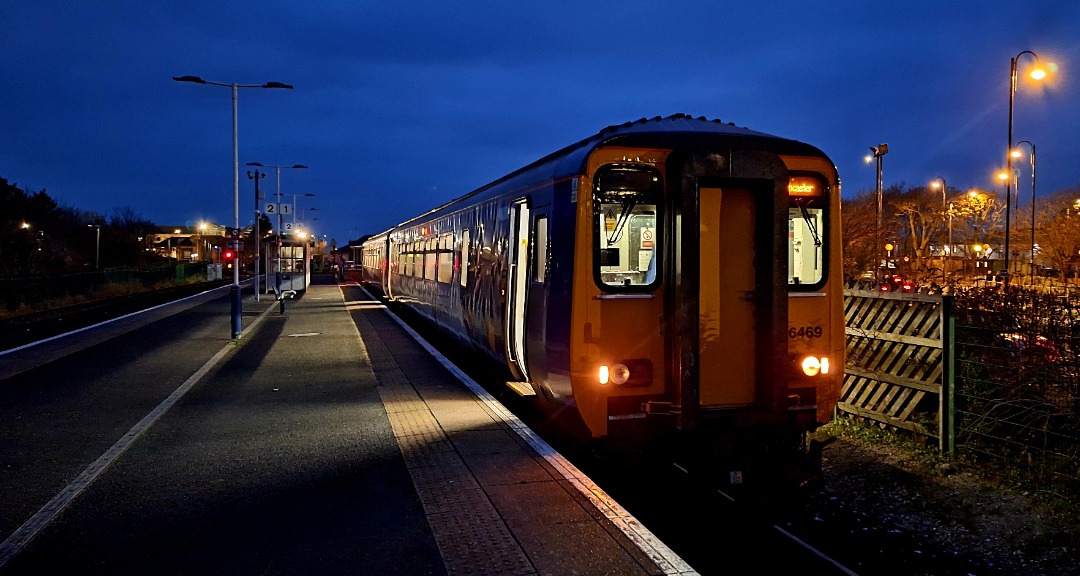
(38,236)
(916,223)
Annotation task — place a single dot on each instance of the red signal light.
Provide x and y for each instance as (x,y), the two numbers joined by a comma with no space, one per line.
(228,255)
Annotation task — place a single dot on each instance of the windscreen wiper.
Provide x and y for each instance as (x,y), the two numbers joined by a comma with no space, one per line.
(628,208)
(811,224)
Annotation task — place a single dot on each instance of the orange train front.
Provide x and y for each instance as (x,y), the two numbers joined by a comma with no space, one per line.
(674,282)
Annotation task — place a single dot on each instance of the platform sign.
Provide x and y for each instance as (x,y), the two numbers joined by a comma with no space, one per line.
(271,208)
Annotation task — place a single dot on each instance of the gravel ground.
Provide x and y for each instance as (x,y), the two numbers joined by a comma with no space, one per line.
(905,512)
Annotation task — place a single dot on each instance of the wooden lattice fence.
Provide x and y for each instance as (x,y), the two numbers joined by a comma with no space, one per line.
(899,355)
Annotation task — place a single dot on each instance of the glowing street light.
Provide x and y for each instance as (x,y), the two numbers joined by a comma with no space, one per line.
(1038,73)
(944,210)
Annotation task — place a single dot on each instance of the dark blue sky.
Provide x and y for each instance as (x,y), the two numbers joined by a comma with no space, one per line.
(399,106)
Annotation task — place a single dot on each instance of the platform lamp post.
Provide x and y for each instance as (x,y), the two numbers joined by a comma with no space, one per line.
(1037,74)
(295,211)
(945,211)
(277,208)
(1015,153)
(295,204)
(256,176)
(237,310)
(876,154)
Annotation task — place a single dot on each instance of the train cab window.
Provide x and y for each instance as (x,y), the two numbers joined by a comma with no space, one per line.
(465,247)
(807,233)
(540,264)
(625,218)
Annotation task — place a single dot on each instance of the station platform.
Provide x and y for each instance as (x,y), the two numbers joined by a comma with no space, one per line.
(497,498)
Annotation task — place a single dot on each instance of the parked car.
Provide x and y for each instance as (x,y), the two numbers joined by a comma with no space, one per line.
(897,284)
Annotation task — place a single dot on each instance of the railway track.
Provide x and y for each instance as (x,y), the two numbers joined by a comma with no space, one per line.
(24,329)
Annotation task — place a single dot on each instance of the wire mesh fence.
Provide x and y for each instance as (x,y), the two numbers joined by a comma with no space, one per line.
(1017,391)
(23,292)
(997,379)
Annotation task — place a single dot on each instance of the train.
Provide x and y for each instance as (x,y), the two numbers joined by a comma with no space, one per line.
(674,282)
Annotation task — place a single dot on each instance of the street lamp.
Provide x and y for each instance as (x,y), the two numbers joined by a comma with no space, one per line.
(877,153)
(277,208)
(237,320)
(1015,153)
(202,239)
(97,245)
(1011,179)
(1036,74)
(944,208)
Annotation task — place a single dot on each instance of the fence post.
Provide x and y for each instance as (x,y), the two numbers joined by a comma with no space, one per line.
(947,409)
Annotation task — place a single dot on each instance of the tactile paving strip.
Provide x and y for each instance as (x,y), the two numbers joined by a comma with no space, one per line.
(472,537)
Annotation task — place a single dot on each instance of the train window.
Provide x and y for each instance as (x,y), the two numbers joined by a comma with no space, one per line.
(430,261)
(465,247)
(626,200)
(540,264)
(806,238)
(446,258)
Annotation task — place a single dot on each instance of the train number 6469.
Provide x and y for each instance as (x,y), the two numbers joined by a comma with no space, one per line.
(804,332)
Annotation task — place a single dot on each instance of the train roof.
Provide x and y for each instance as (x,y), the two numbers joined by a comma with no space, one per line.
(675,131)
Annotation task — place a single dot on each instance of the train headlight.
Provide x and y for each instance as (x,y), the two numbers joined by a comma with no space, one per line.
(812,365)
(621,373)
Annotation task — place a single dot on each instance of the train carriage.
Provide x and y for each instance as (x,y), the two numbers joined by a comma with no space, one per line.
(675,279)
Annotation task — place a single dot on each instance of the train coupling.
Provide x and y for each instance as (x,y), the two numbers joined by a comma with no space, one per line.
(656,407)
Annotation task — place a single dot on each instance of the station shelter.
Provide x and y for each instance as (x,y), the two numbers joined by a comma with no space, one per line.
(287,260)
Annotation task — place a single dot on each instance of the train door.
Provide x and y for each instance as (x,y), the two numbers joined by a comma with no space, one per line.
(536,295)
(517,284)
(394,256)
(726,305)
